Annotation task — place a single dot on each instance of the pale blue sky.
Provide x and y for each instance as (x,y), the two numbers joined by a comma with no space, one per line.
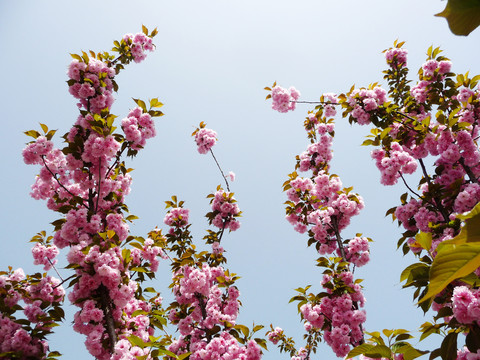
(213,59)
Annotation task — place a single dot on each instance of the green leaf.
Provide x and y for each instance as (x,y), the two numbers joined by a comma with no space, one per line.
(452,262)
(135,340)
(359,350)
(463,16)
(141,103)
(409,352)
(379,351)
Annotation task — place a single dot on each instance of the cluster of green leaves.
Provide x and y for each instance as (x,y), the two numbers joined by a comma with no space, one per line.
(395,344)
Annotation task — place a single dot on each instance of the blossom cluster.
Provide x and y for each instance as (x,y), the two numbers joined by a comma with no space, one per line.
(284,100)
(364,102)
(205,302)
(139,43)
(224,211)
(466,305)
(45,255)
(205,139)
(138,127)
(345,320)
(41,296)
(91,82)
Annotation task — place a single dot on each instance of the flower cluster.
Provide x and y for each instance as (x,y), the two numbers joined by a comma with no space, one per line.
(394,163)
(91,81)
(138,127)
(365,102)
(284,100)
(224,210)
(206,302)
(45,255)
(466,305)
(396,57)
(205,139)
(139,43)
(42,297)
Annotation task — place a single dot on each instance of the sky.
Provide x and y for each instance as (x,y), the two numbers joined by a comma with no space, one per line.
(212,61)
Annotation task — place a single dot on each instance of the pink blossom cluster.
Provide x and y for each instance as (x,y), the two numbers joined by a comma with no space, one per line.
(223,347)
(301,354)
(45,255)
(431,66)
(433,71)
(364,102)
(393,163)
(92,84)
(329,109)
(138,127)
(33,152)
(150,252)
(358,251)
(177,217)
(317,153)
(210,304)
(105,272)
(338,315)
(466,305)
(38,298)
(327,203)
(284,100)
(139,43)
(396,57)
(225,211)
(465,354)
(205,139)
(275,335)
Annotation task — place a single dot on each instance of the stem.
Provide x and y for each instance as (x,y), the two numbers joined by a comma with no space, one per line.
(106,304)
(115,163)
(221,233)
(339,238)
(64,281)
(469,172)
(438,203)
(408,187)
(221,171)
(99,182)
(54,268)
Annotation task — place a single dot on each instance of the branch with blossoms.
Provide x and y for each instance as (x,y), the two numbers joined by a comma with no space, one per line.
(87,182)
(437,117)
(206,302)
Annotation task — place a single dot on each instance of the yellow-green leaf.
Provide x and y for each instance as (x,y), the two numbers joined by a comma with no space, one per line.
(463,16)
(452,262)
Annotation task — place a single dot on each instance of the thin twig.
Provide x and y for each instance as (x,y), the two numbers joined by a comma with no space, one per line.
(64,281)
(408,187)
(54,268)
(221,171)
